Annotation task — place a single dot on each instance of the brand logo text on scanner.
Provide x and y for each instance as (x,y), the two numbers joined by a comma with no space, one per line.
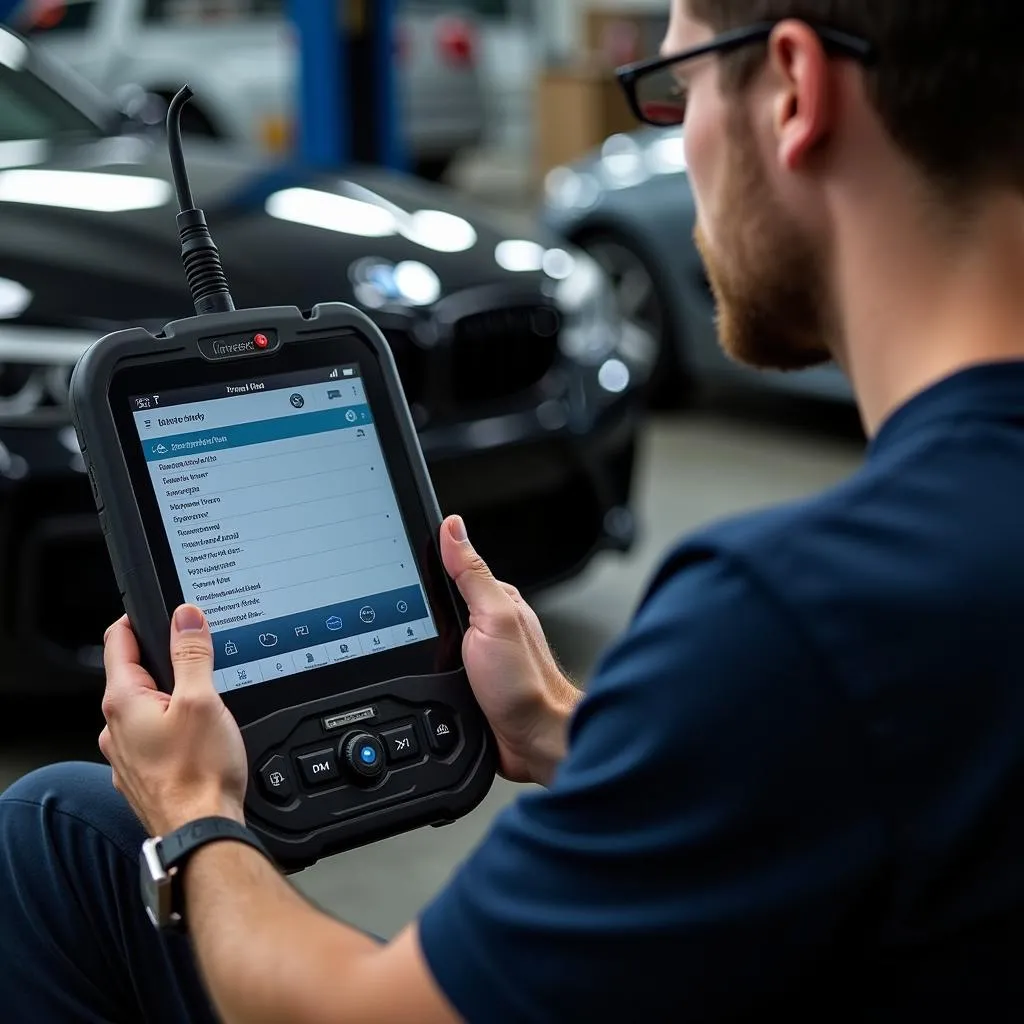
(239,345)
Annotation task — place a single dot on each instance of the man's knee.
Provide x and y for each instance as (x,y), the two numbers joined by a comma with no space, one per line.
(54,802)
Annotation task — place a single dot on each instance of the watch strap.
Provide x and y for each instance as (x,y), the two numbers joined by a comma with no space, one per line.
(176,848)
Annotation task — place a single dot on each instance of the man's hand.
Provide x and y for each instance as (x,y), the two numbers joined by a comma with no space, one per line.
(525,696)
(176,757)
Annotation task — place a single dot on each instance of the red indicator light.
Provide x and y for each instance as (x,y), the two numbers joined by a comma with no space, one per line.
(457,42)
(261,341)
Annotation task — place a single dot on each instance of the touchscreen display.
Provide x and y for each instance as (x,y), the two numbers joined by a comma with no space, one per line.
(283,521)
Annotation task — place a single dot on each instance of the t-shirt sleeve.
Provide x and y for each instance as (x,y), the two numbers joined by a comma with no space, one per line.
(704,844)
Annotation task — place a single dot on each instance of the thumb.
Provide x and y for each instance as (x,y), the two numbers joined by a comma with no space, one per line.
(480,590)
(191,651)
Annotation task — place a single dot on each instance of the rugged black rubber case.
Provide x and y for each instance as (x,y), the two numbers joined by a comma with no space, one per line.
(466,775)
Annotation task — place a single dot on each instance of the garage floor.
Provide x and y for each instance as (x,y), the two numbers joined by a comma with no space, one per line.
(694,468)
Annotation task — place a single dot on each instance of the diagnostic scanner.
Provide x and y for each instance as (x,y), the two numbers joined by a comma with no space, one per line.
(263,465)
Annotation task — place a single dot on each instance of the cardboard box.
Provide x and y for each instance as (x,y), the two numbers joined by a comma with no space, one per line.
(615,36)
(577,109)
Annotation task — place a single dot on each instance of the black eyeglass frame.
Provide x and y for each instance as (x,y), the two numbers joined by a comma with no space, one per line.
(834,39)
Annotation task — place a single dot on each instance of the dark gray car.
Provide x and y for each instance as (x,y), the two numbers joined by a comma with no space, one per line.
(630,205)
(514,361)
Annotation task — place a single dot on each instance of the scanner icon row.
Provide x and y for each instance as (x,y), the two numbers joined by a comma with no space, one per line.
(317,656)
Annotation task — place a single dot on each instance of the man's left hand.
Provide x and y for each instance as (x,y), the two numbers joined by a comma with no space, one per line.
(176,757)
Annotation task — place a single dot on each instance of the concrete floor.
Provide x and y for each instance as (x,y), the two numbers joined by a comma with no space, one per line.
(694,468)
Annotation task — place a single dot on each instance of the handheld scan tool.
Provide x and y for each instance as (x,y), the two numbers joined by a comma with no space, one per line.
(263,465)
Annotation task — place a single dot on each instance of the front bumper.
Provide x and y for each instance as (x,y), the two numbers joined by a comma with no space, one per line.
(539,494)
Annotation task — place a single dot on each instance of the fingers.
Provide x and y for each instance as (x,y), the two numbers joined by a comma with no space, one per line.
(480,590)
(191,653)
(120,648)
(125,676)
(106,744)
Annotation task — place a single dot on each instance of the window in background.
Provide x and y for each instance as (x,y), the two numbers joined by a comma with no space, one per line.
(30,110)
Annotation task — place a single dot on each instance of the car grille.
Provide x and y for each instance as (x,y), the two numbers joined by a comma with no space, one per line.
(502,352)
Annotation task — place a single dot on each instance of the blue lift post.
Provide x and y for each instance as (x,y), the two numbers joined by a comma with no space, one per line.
(349,107)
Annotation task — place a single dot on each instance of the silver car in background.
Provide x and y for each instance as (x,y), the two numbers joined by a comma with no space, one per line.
(240,57)
(629,205)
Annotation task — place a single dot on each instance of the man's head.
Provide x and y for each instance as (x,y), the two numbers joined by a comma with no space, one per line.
(789,142)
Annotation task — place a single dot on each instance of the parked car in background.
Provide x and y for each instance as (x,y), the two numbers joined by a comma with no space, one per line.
(629,205)
(240,58)
(516,367)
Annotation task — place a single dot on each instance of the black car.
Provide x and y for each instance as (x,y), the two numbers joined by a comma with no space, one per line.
(514,359)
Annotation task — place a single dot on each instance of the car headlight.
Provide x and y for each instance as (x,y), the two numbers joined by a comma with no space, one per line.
(592,322)
(35,370)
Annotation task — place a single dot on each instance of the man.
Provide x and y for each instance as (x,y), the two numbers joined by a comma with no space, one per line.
(796,783)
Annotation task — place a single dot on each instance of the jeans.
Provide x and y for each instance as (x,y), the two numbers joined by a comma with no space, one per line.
(75,941)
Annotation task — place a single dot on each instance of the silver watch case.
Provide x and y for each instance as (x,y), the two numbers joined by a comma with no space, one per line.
(157,886)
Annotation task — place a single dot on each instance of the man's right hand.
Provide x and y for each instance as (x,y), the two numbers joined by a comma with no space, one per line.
(525,696)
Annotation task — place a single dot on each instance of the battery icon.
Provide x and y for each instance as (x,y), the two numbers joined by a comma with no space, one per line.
(348,373)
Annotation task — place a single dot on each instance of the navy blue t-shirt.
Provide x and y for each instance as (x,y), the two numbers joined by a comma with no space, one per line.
(796,784)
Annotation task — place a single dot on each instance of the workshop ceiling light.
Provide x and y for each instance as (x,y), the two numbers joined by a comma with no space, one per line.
(667,155)
(622,162)
(417,283)
(332,212)
(566,189)
(437,230)
(558,264)
(614,376)
(83,190)
(518,255)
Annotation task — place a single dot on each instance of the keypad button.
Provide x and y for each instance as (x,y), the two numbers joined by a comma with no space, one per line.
(277,781)
(401,743)
(441,731)
(318,768)
(364,755)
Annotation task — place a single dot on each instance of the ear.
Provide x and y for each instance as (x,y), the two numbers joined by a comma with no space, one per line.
(802,108)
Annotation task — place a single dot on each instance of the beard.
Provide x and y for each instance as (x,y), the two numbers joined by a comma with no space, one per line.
(774,308)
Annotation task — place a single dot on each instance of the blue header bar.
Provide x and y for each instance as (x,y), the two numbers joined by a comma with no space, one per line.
(271,637)
(262,431)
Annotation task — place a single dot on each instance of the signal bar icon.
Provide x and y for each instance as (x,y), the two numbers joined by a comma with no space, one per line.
(334,375)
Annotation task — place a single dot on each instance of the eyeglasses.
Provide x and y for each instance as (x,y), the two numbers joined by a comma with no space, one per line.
(657,97)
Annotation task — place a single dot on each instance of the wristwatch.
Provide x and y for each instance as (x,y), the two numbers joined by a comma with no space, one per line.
(163,859)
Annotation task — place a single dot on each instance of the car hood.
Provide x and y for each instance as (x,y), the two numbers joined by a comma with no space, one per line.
(88,234)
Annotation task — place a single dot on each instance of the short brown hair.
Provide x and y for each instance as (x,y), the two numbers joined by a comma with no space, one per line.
(948,82)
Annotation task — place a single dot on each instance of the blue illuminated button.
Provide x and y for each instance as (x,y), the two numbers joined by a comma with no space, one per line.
(363,753)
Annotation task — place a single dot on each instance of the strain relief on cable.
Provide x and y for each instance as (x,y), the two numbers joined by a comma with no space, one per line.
(206,278)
